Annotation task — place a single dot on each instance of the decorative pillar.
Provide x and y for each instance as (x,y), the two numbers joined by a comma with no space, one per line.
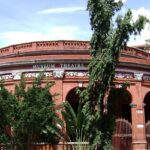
(58,75)
(58,88)
(138,116)
(138,128)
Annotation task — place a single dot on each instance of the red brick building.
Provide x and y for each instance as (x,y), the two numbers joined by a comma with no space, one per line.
(65,62)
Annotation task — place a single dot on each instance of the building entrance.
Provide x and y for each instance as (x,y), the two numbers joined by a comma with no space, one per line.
(73,98)
(147,117)
(122,138)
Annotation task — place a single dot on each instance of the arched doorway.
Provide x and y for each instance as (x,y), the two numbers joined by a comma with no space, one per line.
(147,107)
(73,98)
(122,99)
(147,117)
(122,138)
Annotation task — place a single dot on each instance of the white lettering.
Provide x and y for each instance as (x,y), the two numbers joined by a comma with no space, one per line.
(72,66)
(52,66)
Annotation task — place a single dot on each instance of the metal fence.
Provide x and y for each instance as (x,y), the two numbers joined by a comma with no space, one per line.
(46,146)
(122,139)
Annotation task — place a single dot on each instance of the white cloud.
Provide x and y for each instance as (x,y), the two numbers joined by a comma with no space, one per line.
(145,34)
(140,39)
(140,11)
(62,10)
(54,33)
(66,32)
(121,0)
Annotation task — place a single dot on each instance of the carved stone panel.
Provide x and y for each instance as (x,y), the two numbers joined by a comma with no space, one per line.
(58,73)
(16,75)
(76,74)
(146,77)
(6,76)
(138,76)
(123,75)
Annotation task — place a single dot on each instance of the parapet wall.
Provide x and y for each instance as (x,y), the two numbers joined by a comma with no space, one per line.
(45,45)
(63,45)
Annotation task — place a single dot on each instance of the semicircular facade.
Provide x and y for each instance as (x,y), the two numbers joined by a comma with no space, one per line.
(66,63)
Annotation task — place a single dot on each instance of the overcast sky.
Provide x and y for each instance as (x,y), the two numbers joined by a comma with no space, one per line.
(37,20)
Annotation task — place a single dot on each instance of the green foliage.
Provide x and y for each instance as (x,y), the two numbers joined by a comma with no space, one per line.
(36,119)
(79,126)
(20,90)
(7,106)
(107,41)
(147,46)
(30,112)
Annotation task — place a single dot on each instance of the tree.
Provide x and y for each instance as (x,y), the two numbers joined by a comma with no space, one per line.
(7,105)
(107,41)
(147,45)
(35,118)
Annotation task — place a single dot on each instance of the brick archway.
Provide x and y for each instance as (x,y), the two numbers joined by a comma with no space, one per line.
(73,98)
(147,107)
(68,86)
(122,98)
(147,117)
(122,138)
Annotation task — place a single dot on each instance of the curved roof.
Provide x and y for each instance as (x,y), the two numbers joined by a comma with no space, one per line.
(62,50)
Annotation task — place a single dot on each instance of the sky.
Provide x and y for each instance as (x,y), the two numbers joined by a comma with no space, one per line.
(39,20)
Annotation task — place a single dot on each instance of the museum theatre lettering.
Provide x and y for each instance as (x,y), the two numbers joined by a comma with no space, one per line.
(61,66)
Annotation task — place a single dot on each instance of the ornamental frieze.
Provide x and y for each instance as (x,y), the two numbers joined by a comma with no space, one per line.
(138,76)
(6,76)
(16,75)
(124,75)
(76,74)
(146,77)
(69,73)
(58,73)
(35,74)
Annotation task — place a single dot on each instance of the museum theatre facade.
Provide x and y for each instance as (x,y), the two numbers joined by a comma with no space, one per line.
(66,63)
